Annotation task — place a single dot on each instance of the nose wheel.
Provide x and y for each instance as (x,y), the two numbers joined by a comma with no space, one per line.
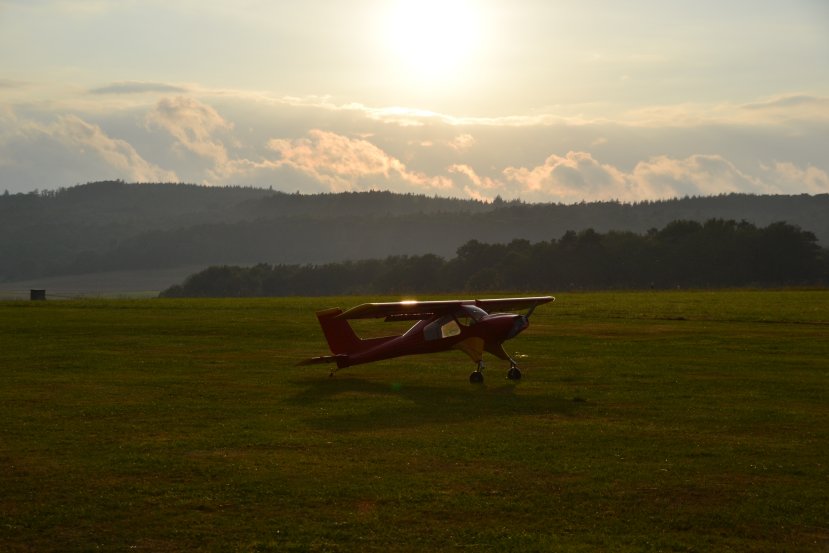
(477,376)
(513,373)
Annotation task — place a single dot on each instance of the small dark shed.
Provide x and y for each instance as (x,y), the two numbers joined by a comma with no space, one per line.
(36,295)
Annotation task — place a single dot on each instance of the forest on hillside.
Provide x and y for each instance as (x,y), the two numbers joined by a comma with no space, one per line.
(116,226)
(717,253)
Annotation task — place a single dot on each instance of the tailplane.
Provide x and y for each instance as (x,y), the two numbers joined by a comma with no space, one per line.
(347,348)
(340,360)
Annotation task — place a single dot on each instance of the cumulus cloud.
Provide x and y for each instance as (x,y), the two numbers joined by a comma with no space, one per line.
(193,124)
(68,150)
(358,148)
(344,163)
(696,175)
(578,176)
(462,142)
(86,138)
(319,160)
(312,145)
(788,178)
(474,185)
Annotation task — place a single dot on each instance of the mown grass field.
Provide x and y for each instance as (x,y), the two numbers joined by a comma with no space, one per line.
(663,421)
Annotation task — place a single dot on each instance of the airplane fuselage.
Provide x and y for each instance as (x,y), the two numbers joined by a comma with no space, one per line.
(491,330)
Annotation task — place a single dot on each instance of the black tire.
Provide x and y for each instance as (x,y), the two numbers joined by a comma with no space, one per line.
(476,378)
(514,374)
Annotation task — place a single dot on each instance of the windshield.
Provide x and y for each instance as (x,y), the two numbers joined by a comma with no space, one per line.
(474,313)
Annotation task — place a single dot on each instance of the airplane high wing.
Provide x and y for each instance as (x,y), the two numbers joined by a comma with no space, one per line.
(472,326)
(430,308)
(511,304)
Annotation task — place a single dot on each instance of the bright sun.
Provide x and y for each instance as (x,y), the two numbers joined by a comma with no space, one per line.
(433,38)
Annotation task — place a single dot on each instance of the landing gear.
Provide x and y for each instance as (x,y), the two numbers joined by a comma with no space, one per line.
(513,373)
(477,377)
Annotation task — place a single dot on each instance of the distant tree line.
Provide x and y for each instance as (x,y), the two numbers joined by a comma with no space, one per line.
(717,253)
(117,226)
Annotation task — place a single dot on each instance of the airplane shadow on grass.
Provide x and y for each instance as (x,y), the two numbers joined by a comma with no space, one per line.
(354,404)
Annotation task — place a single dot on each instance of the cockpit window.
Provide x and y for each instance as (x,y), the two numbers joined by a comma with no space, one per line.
(450,329)
(445,327)
(450,325)
(471,312)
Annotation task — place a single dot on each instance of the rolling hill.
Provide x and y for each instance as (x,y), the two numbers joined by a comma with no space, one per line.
(113,226)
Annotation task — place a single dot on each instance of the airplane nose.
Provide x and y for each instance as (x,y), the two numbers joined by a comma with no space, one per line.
(521,323)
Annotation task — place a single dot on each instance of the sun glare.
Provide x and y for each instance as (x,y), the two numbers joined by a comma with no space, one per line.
(433,38)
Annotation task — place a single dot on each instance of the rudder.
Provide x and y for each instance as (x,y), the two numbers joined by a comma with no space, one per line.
(338,333)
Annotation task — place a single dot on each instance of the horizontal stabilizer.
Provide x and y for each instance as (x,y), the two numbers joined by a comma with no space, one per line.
(322,359)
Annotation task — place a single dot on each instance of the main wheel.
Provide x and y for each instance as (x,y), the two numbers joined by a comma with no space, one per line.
(514,373)
(476,378)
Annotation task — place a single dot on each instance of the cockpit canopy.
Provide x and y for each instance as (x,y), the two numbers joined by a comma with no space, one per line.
(471,311)
(450,325)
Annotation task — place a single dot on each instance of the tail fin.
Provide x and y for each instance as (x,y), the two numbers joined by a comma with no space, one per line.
(341,338)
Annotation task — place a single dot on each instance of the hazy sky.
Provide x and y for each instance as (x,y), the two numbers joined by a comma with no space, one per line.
(539,99)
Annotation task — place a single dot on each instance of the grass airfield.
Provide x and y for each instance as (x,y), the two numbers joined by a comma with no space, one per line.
(661,421)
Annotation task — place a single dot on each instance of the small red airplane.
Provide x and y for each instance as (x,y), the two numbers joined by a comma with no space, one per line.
(466,325)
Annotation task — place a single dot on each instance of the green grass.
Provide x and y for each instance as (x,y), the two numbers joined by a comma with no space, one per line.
(667,421)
